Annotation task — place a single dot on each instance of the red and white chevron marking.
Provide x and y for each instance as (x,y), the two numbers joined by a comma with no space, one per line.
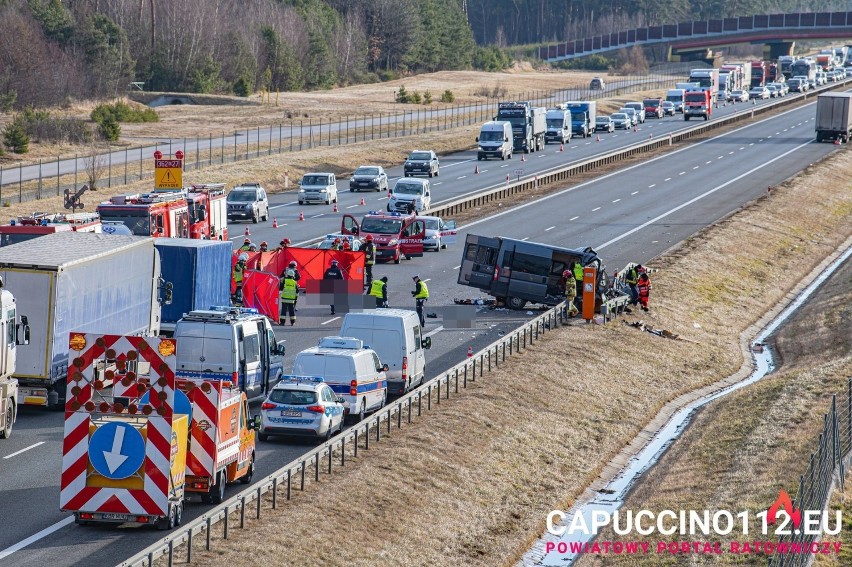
(201,458)
(84,406)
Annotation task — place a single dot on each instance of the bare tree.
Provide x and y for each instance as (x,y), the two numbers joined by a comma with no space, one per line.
(94,164)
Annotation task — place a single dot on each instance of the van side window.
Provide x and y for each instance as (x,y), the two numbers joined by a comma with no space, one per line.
(417,345)
(532,264)
(377,363)
(252,348)
(10,330)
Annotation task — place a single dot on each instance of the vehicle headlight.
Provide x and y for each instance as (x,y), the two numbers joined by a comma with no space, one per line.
(393,242)
(301,190)
(323,190)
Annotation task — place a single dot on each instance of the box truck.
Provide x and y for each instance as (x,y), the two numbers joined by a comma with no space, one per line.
(833,117)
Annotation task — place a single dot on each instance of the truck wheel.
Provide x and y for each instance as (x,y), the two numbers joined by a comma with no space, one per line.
(179,514)
(263,437)
(246,478)
(254,219)
(166,522)
(217,492)
(686,118)
(363,411)
(8,421)
(515,303)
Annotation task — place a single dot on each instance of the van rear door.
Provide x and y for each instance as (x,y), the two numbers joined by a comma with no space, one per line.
(251,372)
(479,261)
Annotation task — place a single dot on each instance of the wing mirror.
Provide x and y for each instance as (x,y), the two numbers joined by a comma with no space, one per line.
(385,367)
(280,349)
(426,343)
(340,400)
(254,424)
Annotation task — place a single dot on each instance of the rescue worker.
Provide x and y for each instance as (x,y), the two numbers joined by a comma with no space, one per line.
(237,274)
(644,288)
(631,278)
(421,295)
(335,245)
(246,245)
(293,266)
(334,273)
(253,248)
(289,293)
(284,243)
(578,278)
(370,259)
(264,247)
(379,290)
(346,246)
(570,292)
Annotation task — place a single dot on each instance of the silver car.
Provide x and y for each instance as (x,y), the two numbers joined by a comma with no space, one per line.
(621,121)
(372,177)
(632,114)
(248,201)
(439,233)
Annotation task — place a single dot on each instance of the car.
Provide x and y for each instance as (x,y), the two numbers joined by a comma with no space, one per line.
(318,188)
(621,121)
(653,107)
(248,201)
(780,87)
(632,114)
(327,242)
(797,85)
(439,233)
(821,78)
(812,84)
(759,92)
(773,91)
(301,406)
(407,193)
(369,177)
(639,108)
(739,95)
(668,108)
(604,124)
(421,162)
(597,84)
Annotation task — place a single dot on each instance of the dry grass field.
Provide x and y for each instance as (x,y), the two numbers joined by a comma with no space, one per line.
(471,484)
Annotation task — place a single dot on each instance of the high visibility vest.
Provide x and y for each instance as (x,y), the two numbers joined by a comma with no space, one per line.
(377,289)
(578,272)
(238,274)
(289,291)
(570,289)
(632,276)
(424,291)
(245,247)
(370,250)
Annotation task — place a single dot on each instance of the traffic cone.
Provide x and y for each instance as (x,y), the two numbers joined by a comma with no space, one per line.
(507,179)
(476,170)
(301,216)
(837,141)
(561,147)
(334,210)
(650,136)
(470,352)
(362,202)
(274,222)
(635,128)
(247,233)
(523,157)
(598,139)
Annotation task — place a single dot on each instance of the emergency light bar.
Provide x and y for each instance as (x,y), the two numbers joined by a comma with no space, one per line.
(341,342)
(235,310)
(296,378)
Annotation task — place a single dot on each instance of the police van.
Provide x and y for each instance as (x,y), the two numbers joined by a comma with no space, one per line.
(230,343)
(353,370)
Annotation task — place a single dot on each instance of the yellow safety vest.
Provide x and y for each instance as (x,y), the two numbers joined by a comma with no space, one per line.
(578,272)
(245,247)
(289,291)
(238,274)
(570,289)
(377,289)
(424,291)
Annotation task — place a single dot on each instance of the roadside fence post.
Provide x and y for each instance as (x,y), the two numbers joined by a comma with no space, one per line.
(356,443)
(225,520)
(330,457)
(274,493)
(243,510)
(419,403)
(367,436)
(289,483)
(207,533)
(342,451)
(303,467)
(429,398)
(410,402)
(316,467)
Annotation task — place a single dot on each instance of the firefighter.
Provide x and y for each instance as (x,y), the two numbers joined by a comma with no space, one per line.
(370,259)
(570,292)
(246,245)
(644,289)
(335,245)
(264,247)
(421,295)
(333,273)
(252,247)
(285,242)
(289,292)
(237,274)
(379,290)
(346,246)
(631,278)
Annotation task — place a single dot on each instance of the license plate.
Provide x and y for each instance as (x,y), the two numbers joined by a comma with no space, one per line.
(114,516)
(363,183)
(291,413)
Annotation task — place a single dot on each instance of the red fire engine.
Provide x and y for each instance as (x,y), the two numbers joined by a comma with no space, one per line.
(39,224)
(148,214)
(395,235)
(208,211)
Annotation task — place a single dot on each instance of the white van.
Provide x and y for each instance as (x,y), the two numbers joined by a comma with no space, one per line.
(558,126)
(676,97)
(352,370)
(395,335)
(495,140)
(407,192)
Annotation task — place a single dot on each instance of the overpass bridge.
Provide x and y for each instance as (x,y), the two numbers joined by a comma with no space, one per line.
(778,31)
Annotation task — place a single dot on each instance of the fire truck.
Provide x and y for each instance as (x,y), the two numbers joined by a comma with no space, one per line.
(394,234)
(148,214)
(39,224)
(208,211)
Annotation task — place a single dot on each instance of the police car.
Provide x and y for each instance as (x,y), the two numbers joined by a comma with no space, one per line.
(328,241)
(301,406)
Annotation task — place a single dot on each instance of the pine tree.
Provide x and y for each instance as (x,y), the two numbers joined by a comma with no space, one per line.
(15,138)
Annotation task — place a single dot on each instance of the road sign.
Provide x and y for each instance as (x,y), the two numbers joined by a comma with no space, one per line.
(168,174)
(518,172)
(116,450)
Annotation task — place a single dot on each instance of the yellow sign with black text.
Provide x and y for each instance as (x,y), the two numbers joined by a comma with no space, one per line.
(168,174)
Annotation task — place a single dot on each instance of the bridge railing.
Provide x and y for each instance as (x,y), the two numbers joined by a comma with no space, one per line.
(686,30)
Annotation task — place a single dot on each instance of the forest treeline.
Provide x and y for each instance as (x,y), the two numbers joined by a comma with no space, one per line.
(54,51)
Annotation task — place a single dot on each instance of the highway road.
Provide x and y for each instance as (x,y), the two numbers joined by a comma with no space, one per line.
(630,214)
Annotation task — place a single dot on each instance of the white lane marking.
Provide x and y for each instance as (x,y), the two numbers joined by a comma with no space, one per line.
(596,209)
(457,163)
(696,167)
(587,143)
(36,536)
(381,198)
(351,206)
(542,155)
(634,192)
(708,163)
(317,216)
(652,186)
(667,179)
(549,229)
(435,332)
(438,183)
(768,137)
(25,449)
(751,144)
(573,218)
(742,148)
(483,171)
(504,166)
(777,133)
(699,197)
(457,267)
(730,153)
(461,177)
(682,173)
(525,238)
(720,157)
(284,205)
(617,200)
(329,321)
(760,140)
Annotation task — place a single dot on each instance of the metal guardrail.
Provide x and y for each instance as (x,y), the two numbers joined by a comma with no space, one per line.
(700,29)
(280,484)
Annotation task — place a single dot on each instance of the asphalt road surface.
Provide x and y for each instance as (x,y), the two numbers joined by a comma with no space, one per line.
(631,214)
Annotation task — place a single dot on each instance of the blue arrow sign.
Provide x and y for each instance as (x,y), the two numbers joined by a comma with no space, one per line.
(116,450)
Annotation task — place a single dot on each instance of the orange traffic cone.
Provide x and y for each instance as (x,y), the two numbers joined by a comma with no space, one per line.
(274,222)
(507,179)
(635,128)
(561,147)
(523,157)
(470,352)
(334,210)
(301,216)
(837,141)
(476,170)
(362,202)
(598,138)
(247,233)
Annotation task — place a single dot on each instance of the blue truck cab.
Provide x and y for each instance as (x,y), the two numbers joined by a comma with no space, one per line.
(230,343)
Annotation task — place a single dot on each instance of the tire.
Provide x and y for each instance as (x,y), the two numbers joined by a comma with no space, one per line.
(388,208)
(219,495)
(262,437)
(168,522)
(254,219)
(686,118)
(398,258)
(503,157)
(329,432)
(179,514)
(437,172)
(363,411)
(430,174)
(351,190)
(246,478)
(515,303)
(9,421)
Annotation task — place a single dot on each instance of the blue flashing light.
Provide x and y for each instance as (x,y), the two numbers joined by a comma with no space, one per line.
(296,378)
